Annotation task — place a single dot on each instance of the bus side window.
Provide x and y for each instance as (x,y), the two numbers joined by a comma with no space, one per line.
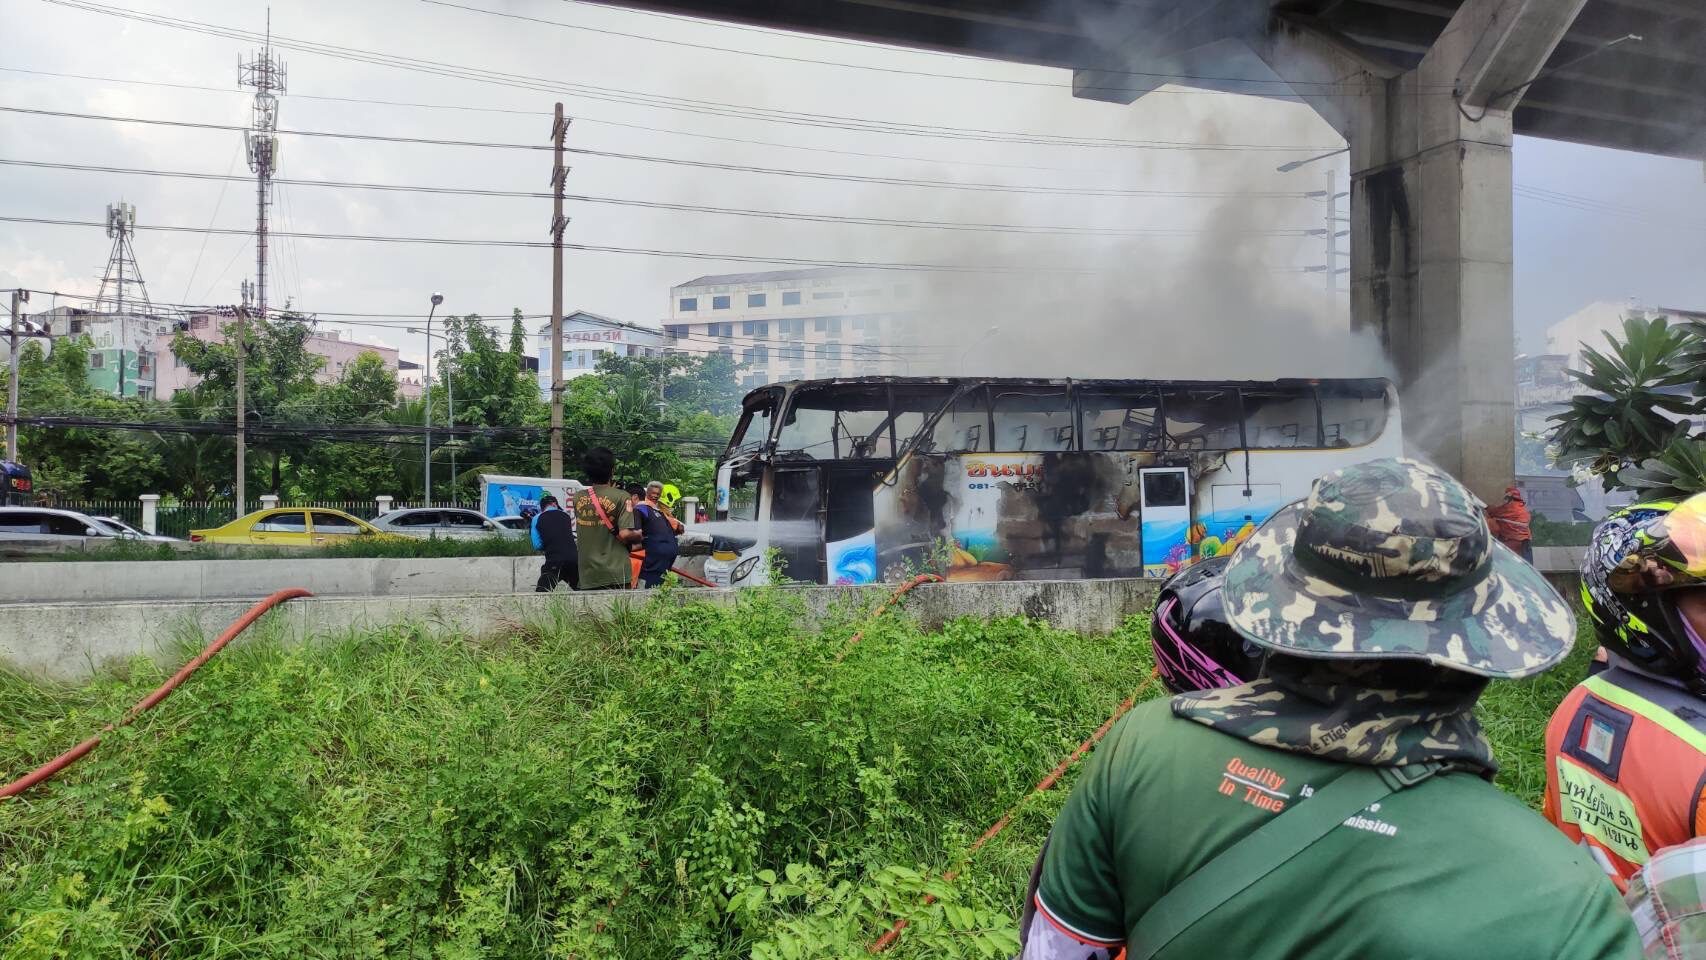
(1202,418)
(1029,421)
(962,429)
(913,406)
(1121,420)
(1280,417)
(1352,413)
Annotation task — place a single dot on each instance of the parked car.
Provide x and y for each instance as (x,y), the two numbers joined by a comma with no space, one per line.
(127,532)
(513,522)
(290,527)
(61,526)
(427,523)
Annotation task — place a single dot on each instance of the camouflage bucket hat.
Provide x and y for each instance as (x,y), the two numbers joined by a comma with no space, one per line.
(1392,560)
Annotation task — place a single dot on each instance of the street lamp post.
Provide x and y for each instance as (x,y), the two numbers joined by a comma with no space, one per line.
(449,392)
(426,398)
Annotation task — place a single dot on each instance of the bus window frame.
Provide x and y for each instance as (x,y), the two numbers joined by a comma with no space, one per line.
(1068,389)
(1168,387)
(774,398)
(1388,401)
(1158,442)
(1244,415)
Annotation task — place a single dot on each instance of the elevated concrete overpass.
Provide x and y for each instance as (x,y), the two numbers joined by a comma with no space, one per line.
(1427,93)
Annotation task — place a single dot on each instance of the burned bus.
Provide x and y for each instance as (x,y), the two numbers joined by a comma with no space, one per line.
(876,478)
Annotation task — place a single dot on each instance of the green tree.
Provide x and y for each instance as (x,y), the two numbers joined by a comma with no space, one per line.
(495,394)
(1631,427)
(198,465)
(81,460)
(365,394)
(518,339)
(280,384)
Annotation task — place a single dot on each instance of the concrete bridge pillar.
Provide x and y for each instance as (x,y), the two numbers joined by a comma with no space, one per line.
(1431,238)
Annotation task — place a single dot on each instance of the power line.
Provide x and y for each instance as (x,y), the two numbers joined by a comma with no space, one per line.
(587,248)
(655,101)
(679,207)
(1602,208)
(703,164)
(581,117)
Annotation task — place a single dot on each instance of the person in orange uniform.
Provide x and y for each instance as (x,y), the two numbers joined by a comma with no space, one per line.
(1511,524)
(1626,750)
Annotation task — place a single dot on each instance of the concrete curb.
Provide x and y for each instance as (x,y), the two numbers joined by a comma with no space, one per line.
(71,641)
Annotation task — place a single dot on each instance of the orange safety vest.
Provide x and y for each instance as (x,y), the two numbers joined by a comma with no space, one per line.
(1626,769)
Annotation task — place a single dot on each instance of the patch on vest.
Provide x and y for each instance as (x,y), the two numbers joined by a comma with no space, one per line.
(1257,786)
(1600,811)
(1598,739)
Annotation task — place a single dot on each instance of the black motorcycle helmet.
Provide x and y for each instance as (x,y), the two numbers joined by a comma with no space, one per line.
(1641,562)
(1195,648)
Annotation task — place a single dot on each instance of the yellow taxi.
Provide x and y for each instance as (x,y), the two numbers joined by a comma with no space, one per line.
(291,527)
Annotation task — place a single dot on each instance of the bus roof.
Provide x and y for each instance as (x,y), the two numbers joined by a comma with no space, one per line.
(1105,382)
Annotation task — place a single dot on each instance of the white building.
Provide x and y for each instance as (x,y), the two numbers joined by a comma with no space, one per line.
(586,336)
(793,324)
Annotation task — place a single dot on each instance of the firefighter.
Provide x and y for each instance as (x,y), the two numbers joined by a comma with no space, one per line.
(605,525)
(1341,804)
(1511,521)
(658,531)
(553,533)
(1626,750)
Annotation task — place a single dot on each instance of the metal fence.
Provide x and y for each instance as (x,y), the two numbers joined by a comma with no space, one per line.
(130,511)
(178,518)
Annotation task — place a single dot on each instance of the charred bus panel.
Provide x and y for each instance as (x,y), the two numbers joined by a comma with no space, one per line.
(852,481)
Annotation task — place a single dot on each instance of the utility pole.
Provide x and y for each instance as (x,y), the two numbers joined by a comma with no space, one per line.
(242,397)
(426,402)
(1332,246)
(450,401)
(559,176)
(267,75)
(18,296)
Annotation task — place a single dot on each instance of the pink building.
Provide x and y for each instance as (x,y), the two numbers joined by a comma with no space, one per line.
(173,376)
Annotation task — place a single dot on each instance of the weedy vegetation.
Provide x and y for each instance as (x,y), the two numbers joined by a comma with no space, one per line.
(676,782)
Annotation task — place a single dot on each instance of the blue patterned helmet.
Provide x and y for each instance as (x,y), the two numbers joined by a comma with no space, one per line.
(1638,560)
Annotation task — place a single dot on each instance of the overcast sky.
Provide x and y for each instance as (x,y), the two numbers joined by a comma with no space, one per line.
(1644,239)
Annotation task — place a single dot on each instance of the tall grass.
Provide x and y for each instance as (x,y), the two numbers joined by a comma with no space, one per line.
(689,781)
(679,782)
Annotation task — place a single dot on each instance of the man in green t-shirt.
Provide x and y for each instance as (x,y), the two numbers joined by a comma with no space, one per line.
(1384,606)
(605,525)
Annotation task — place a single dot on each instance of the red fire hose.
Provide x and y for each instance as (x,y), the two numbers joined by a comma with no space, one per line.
(53,767)
(908,585)
(887,939)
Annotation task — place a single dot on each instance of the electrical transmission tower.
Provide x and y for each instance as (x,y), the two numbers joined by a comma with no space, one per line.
(267,75)
(122,271)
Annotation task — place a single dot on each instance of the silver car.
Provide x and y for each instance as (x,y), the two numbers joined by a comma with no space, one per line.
(65,527)
(429,523)
(125,531)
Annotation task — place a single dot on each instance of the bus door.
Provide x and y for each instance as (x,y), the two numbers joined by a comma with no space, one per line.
(1165,519)
(795,528)
(849,521)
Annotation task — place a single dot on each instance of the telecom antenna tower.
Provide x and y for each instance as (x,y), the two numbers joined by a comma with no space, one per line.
(122,270)
(267,75)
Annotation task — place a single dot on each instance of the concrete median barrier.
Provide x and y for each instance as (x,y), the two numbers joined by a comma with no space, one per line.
(99,581)
(70,641)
